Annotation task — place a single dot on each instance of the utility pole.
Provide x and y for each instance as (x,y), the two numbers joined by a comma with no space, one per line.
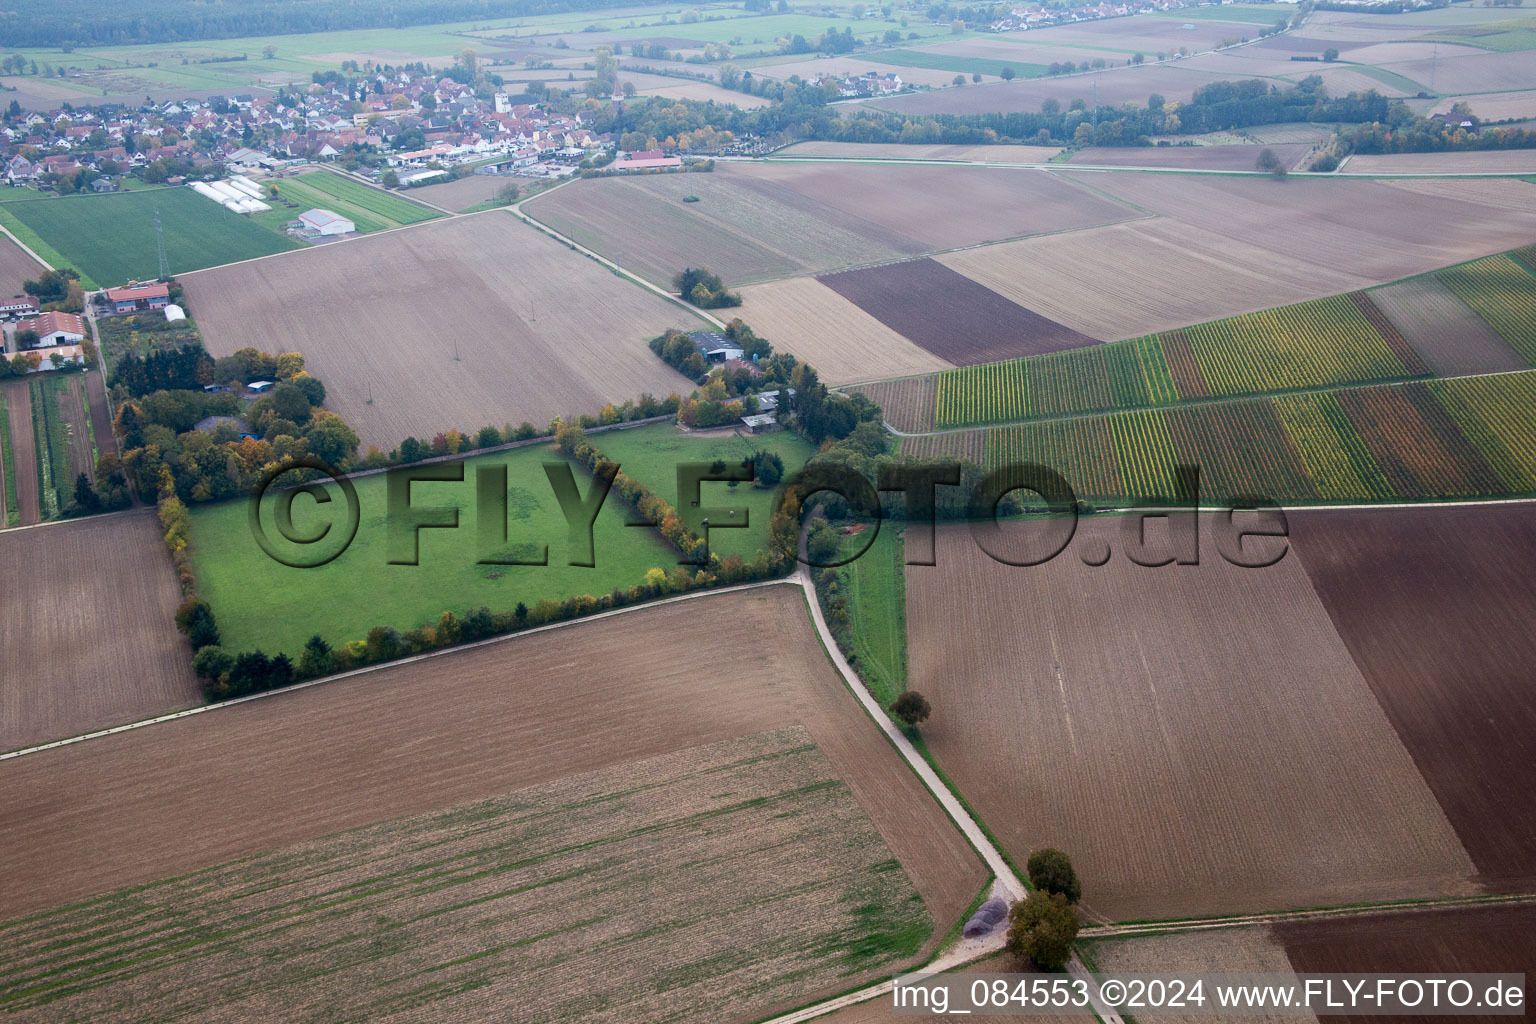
(1434,62)
(1095,104)
(165,267)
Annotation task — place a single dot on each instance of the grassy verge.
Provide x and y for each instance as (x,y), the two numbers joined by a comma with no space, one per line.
(12,506)
(877,604)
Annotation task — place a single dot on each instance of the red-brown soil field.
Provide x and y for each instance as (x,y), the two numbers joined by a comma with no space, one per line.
(87,631)
(1435,606)
(463,726)
(18,411)
(1197,737)
(950,315)
(1480,940)
(453,324)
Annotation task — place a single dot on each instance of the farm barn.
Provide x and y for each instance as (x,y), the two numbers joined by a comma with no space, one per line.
(58,329)
(324,224)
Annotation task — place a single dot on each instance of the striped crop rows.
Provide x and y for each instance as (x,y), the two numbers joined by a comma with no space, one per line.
(1501,290)
(1342,339)
(1466,438)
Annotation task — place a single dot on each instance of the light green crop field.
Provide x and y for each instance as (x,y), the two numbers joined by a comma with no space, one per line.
(1251,15)
(259,602)
(110,239)
(368,208)
(651,455)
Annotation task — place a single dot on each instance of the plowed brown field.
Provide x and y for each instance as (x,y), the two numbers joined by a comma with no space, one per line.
(87,637)
(1435,605)
(1197,737)
(1491,940)
(949,315)
(1452,339)
(455,324)
(16,267)
(464,726)
(727,879)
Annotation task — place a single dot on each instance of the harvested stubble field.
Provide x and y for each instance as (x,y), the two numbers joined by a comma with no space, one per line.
(706,92)
(1452,339)
(1197,736)
(23,449)
(949,315)
(1479,72)
(1434,605)
(92,642)
(460,323)
(1115,86)
(1476,162)
(1344,233)
(562,882)
(462,194)
(929,77)
(1164,275)
(1493,106)
(924,151)
(1209,158)
(762,222)
(844,343)
(415,739)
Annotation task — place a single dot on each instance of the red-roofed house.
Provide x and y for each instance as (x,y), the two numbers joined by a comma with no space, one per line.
(58,328)
(139,295)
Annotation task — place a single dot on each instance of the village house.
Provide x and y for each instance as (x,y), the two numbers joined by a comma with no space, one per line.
(137,295)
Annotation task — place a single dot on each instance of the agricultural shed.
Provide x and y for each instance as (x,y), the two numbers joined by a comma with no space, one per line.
(54,328)
(175,312)
(325,223)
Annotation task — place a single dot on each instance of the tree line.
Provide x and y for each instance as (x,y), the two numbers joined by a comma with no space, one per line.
(70,23)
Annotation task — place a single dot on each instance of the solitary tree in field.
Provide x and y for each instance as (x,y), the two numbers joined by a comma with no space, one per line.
(1051,871)
(1331,54)
(911,708)
(976,76)
(1270,162)
(959,80)
(269,51)
(1007,74)
(1042,927)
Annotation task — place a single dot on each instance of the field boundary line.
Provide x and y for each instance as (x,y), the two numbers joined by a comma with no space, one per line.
(173,716)
(1143,928)
(516,209)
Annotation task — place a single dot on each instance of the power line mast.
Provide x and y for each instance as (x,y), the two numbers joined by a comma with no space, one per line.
(1095,104)
(165,266)
(1434,61)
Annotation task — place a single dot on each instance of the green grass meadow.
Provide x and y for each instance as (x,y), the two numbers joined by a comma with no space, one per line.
(261,603)
(110,239)
(651,455)
(877,602)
